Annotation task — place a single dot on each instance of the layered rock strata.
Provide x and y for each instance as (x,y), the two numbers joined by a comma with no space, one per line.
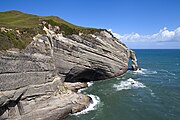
(32,80)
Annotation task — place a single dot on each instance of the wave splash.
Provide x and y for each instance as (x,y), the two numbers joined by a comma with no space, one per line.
(92,106)
(128,84)
(83,89)
(144,71)
(90,83)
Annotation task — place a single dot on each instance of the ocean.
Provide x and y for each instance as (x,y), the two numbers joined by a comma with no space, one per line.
(152,93)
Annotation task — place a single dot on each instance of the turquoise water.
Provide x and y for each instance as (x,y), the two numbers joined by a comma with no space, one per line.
(152,93)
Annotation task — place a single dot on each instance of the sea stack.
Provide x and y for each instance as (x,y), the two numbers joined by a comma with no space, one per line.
(133,58)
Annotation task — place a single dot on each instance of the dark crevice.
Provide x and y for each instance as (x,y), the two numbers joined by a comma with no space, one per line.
(10,104)
(85,75)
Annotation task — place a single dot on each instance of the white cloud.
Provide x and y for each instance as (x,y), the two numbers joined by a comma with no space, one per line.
(115,34)
(162,36)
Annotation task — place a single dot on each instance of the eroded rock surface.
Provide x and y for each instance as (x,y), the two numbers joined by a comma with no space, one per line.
(89,57)
(32,80)
(51,100)
(133,58)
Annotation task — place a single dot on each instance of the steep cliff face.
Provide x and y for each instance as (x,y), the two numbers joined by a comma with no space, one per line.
(30,86)
(89,57)
(32,77)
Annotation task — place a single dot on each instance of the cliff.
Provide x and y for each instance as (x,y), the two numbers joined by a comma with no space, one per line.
(39,54)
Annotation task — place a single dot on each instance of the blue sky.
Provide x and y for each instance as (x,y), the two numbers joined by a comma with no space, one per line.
(138,23)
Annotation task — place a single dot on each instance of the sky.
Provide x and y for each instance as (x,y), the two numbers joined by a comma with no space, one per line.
(140,24)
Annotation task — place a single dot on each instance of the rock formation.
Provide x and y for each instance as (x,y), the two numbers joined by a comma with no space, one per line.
(134,60)
(32,79)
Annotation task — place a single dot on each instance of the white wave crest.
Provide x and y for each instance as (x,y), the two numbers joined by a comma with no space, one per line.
(92,106)
(166,71)
(144,71)
(83,89)
(90,83)
(128,84)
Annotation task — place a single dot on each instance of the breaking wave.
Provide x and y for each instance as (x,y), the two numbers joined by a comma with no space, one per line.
(144,71)
(83,89)
(92,106)
(128,84)
(90,83)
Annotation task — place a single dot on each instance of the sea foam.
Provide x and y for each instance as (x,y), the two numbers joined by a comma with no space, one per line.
(166,71)
(92,106)
(83,89)
(144,71)
(128,84)
(90,83)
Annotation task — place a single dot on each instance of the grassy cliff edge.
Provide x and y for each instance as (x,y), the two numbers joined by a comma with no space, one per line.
(18,28)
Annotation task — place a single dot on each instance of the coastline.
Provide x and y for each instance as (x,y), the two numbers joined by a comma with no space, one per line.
(64,100)
(33,79)
(94,100)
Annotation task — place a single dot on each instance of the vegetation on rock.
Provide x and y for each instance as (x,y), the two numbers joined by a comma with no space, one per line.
(30,25)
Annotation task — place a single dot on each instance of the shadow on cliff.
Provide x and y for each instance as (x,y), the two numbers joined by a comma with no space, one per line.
(78,74)
(9,106)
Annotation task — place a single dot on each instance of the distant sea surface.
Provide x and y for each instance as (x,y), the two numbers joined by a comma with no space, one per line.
(152,93)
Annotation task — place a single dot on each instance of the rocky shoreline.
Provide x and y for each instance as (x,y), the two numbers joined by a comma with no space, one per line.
(64,100)
(41,80)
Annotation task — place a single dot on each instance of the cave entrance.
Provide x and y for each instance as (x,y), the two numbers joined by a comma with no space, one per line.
(132,61)
(77,74)
(130,64)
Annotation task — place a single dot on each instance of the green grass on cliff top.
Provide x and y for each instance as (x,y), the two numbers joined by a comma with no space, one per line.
(18,19)
(28,24)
